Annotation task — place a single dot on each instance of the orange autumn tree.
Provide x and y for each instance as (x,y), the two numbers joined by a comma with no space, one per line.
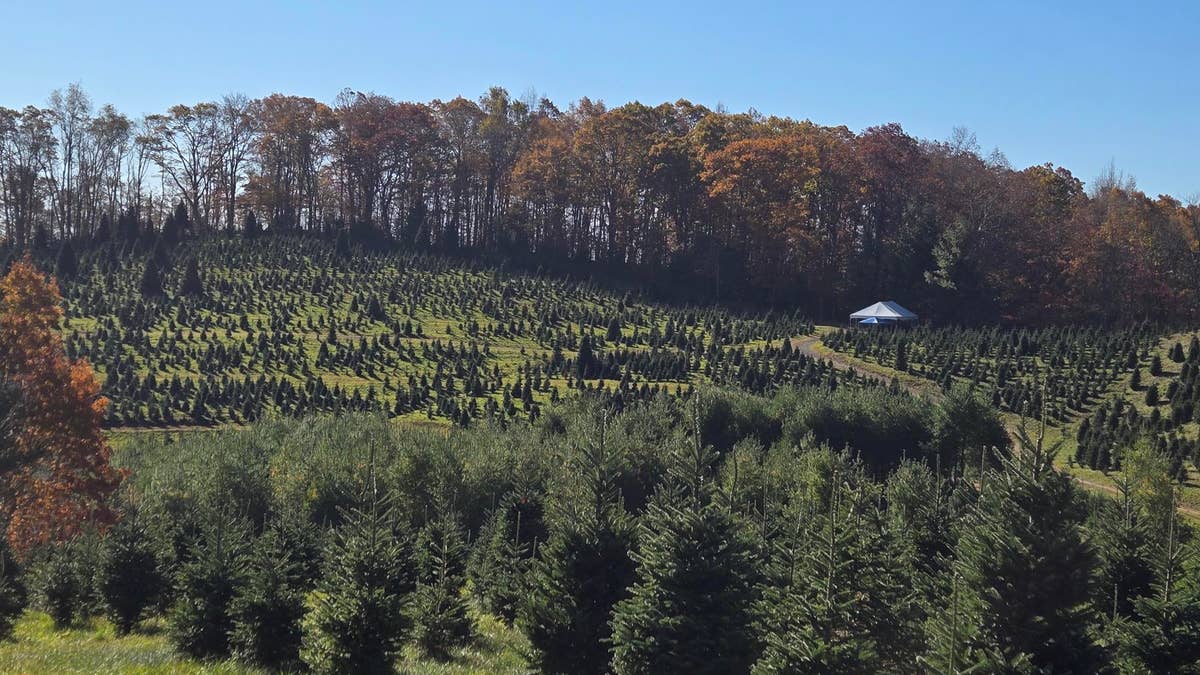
(66,481)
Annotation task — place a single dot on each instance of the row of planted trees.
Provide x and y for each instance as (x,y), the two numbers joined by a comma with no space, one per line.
(735,206)
(641,542)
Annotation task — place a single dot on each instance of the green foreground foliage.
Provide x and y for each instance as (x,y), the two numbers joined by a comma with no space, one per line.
(847,530)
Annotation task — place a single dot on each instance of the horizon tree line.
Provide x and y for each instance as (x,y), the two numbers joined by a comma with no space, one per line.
(729,206)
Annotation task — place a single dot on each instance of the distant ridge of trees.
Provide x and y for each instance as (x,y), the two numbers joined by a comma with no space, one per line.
(732,207)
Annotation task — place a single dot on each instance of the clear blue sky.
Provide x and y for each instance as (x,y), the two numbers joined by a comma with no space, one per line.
(1077,84)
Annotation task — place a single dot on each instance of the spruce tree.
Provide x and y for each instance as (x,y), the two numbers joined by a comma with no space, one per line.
(689,609)
(499,563)
(67,265)
(130,579)
(12,591)
(1021,574)
(193,284)
(201,619)
(270,605)
(250,227)
(837,599)
(1163,637)
(151,283)
(582,571)
(440,619)
(359,620)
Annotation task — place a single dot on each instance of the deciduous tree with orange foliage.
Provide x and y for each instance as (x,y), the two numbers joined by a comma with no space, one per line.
(65,480)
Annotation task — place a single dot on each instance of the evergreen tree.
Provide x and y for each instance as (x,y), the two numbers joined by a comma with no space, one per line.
(182,220)
(67,265)
(56,583)
(12,591)
(193,284)
(583,570)
(151,284)
(499,564)
(440,619)
(689,610)
(103,230)
(341,245)
(1163,639)
(170,231)
(250,226)
(359,619)
(837,601)
(1123,569)
(130,579)
(614,330)
(270,605)
(201,619)
(1022,573)
(585,362)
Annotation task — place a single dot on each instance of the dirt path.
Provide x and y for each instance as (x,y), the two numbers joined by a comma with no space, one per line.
(811,346)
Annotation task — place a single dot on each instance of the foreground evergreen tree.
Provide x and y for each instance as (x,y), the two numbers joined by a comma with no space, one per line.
(12,592)
(440,619)
(1123,571)
(582,571)
(202,619)
(129,576)
(1163,638)
(56,583)
(690,607)
(499,564)
(837,600)
(359,619)
(1021,577)
(269,606)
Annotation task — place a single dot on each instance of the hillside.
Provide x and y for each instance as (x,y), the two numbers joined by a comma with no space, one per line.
(1095,387)
(290,326)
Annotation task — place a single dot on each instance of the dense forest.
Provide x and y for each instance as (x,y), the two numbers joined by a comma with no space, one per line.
(699,203)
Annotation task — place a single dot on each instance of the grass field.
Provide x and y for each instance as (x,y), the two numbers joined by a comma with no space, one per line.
(1060,432)
(95,648)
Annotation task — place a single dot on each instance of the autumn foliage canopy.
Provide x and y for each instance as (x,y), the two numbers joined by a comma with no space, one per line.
(65,480)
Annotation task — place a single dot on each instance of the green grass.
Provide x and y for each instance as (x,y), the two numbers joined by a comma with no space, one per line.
(1064,433)
(95,648)
(38,647)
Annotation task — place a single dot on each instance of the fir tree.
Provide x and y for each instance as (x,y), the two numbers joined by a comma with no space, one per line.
(56,583)
(129,576)
(359,619)
(201,619)
(689,610)
(151,284)
(440,619)
(499,564)
(1163,637)
(1123,569)
(193,284)
(1022,572)
(837,599)
(269,606)
(12,591)
(250,226)
(67,265)
(583,570)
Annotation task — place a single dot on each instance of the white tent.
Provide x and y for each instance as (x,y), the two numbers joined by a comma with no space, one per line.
(883,312)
